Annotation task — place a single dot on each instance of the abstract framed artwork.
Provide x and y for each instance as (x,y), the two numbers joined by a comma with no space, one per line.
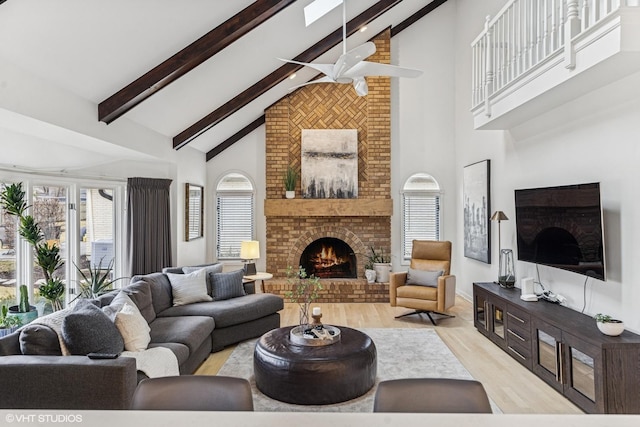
(329,163)
(477,205)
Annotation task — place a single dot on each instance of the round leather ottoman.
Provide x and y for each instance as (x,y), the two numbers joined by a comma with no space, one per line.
(314,375)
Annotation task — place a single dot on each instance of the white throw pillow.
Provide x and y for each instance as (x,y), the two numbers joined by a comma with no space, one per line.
(134,329)
(189,288)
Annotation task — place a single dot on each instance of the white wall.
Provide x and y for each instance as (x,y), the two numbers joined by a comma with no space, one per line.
(590,139)
(247,157)
(422,119)
(51,130)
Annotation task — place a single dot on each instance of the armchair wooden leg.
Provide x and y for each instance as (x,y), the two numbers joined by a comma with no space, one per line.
(428,313)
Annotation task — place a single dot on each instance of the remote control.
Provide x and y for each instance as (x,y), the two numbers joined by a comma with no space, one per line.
(102,355)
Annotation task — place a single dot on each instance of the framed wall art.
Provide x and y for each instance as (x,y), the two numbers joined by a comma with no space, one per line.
(193,212)
(330,163)
(476,202)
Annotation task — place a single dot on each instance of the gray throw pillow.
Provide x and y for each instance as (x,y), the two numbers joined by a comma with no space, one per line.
(423,277)
(210,269)
(88,330)
(227,285)
(40,340)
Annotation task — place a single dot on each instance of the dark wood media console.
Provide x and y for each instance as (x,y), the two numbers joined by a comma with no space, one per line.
(599,373)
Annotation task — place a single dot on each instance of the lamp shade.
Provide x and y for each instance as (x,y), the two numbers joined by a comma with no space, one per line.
(499,216)
(250,249)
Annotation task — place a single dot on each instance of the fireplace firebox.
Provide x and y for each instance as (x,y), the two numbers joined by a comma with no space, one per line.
(329,257)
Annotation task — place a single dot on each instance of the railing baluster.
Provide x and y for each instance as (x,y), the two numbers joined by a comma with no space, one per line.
(489,70)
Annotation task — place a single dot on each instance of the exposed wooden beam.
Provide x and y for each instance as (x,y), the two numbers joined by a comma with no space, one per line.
(189,58)
(268,82)
(236,137)
(417,16)
(394,31)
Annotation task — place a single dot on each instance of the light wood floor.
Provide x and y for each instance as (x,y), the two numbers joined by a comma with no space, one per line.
(512,387)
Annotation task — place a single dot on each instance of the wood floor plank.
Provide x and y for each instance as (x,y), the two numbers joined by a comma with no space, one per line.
(512,387)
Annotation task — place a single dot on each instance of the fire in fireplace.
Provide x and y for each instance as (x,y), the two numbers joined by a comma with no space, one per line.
(329,257)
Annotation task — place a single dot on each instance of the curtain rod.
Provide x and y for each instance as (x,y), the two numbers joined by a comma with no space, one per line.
(57,174)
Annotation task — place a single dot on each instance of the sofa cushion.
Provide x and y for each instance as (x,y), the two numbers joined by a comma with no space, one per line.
(161,295)
(189,288)
(232,311)
(86,329)
(210,269)
(188,330)
(39,340)
(227,285)
(423,277)
(140,293)
(132,326)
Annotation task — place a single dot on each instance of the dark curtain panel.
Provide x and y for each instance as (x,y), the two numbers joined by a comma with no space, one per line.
(148,225)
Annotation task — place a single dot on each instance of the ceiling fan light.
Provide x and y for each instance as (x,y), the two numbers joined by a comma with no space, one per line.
(360,85)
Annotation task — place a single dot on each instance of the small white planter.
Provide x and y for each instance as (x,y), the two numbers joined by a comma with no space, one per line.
(382,272)
(612,328)
(370,275)
(290,194)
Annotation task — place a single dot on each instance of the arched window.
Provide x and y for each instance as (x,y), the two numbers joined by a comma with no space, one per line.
(235,219)
(421,211)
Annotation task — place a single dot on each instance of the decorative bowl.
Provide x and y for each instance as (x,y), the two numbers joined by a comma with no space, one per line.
(612,328)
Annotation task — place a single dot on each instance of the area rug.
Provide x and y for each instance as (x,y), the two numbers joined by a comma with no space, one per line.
(402,353)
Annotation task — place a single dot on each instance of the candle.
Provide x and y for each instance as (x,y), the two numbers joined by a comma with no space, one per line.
(316,311)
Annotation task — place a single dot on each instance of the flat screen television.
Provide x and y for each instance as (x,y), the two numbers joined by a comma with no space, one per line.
(562,227)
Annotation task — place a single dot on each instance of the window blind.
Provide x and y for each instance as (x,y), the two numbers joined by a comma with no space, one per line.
(421,219)
(235,223)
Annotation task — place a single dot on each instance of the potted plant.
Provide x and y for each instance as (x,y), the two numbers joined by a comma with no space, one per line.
(47,255)
(97,282)
(24,311)
(609,325)
(381,264)
(304,290)
(290,179)
(369,272)
(8,324)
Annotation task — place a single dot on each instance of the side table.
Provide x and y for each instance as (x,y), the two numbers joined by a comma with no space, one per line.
(261,276)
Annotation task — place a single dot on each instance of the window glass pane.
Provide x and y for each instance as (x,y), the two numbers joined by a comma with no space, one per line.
(96,229)
(7,258)
(49,211)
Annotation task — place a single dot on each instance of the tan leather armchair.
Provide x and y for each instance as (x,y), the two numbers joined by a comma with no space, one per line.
(431,256)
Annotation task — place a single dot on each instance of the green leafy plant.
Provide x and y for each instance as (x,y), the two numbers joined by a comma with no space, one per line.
(378,257)
(605,318)
(53,292)
(98,281)
(304,290)
(47,255)
(6,321)
(290,179)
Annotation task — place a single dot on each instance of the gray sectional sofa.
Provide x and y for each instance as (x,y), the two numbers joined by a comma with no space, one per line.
(35,375)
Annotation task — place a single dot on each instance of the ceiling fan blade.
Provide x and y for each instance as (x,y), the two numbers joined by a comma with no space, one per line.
(353,57)
(366,68)
(323,68)
(323,79)
(360,85)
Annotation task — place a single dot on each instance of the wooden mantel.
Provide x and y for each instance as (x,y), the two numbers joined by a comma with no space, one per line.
(327,207)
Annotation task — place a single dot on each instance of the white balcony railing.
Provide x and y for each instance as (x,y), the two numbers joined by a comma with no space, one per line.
(525,34)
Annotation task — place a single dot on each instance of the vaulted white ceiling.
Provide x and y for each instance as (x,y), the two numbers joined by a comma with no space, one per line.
(93,48)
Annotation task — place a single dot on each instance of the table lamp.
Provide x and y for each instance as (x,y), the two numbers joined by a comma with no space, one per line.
(249,251)
(499,216)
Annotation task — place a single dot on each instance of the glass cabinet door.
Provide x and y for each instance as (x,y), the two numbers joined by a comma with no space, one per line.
(498,320)
(480,307)
(584,361)
(547,359)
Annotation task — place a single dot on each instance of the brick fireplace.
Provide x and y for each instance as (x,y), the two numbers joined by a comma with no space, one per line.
(294,224)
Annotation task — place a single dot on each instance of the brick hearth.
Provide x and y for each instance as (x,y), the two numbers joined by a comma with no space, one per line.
(363,222)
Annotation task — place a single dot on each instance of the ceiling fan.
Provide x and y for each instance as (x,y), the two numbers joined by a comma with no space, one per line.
(351,67)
